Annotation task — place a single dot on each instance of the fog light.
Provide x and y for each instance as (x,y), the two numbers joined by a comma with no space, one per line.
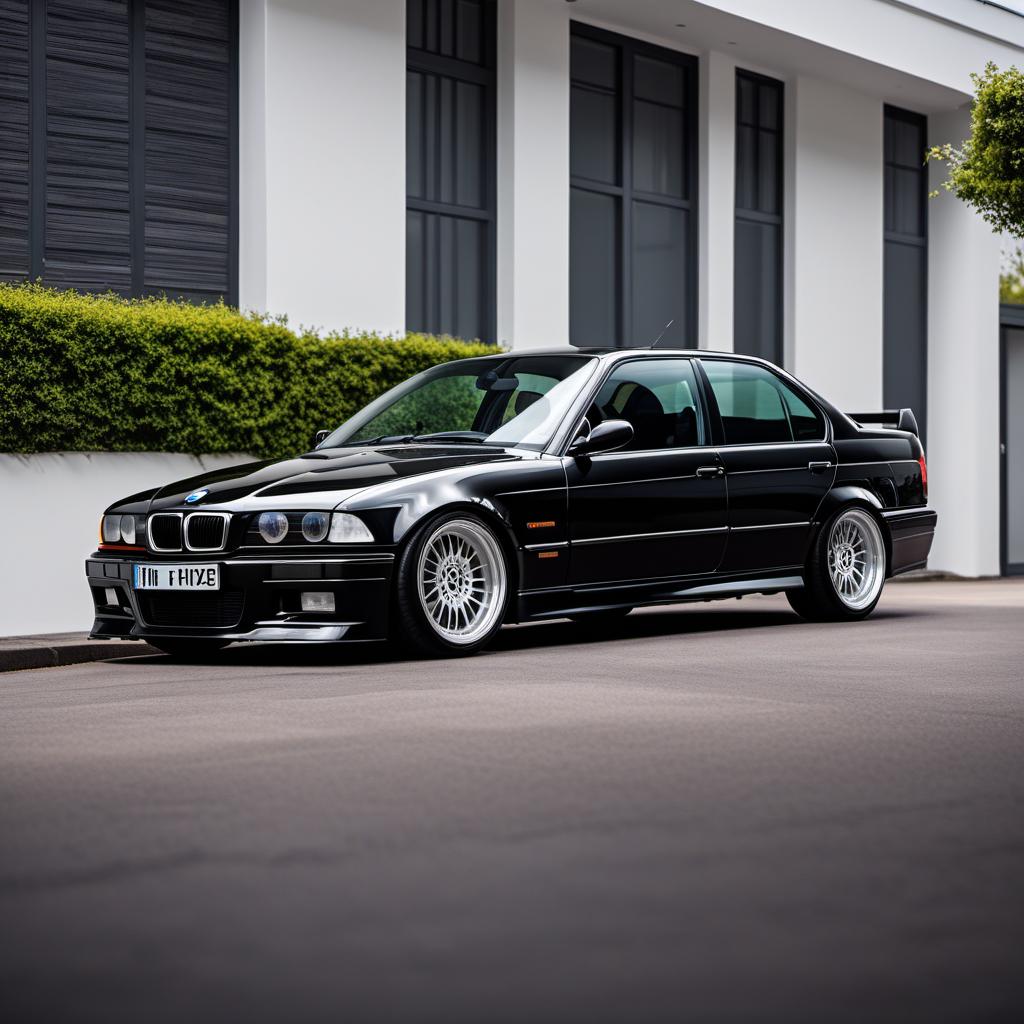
(318,601)
(110,593)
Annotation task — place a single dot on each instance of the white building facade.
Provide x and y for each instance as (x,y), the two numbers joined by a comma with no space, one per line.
(730,174)
(582,173)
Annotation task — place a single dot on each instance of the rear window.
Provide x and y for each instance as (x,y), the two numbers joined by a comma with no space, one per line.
(757,407)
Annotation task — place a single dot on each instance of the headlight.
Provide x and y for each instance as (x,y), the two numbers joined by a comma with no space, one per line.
(110,529)
(128,529)
(315,526)
(347,529)
(273,526)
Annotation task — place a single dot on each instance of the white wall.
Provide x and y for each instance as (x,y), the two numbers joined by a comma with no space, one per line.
(533,174)
(322,139)
(836,250)
(963,374)
(716,178)
(59,498)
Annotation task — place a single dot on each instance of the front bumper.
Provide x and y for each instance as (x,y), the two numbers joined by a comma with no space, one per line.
(258,599)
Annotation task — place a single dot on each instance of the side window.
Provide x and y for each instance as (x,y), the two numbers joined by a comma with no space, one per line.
(658,397)
(758,408)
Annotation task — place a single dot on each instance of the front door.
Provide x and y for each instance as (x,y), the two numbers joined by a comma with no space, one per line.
(778,465)
(656,509)
(1012,451)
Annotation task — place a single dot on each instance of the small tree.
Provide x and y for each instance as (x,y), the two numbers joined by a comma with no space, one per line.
(987,171)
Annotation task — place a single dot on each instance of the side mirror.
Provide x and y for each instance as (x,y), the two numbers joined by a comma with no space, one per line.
(605,437)
(319,437)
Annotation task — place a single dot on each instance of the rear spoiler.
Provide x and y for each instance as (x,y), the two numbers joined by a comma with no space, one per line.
(901,419)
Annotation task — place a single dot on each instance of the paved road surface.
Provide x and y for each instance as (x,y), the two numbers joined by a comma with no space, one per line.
(722,814)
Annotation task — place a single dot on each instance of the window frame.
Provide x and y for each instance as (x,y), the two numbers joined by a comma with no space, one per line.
(754,215)
(706,423)
(484,74)
(629,47)
(718,431)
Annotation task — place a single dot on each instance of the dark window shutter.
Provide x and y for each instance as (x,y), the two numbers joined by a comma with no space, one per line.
(87,145)
(119,145)
(757,266)
(14,140)
(450,168)
(905,265)
(632,146)
(188,153)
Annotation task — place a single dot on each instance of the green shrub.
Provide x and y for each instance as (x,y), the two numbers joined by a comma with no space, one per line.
(99,373)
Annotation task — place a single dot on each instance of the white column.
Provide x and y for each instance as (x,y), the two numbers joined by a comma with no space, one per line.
(322,125)
(836,252)
(963,374)
(533,174)
(716,200)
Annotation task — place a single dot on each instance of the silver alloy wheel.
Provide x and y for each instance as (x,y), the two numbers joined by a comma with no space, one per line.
(856,559)
(461,580)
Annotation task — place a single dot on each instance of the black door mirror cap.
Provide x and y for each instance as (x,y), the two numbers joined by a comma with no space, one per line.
(605,437)
(319,437)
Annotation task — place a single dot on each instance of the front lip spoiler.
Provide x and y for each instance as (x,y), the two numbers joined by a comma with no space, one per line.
(304,633)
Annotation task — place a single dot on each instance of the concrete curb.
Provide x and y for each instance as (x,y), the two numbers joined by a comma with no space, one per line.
(24,652)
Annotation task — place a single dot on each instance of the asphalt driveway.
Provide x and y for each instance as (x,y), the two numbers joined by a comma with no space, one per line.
(714,813)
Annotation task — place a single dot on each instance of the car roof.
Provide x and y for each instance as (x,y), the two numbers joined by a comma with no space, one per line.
(619,353)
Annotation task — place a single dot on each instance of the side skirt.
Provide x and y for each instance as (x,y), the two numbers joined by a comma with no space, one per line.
(553,604)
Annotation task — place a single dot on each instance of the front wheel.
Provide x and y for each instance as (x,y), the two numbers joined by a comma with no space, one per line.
(845,571)
(452,586)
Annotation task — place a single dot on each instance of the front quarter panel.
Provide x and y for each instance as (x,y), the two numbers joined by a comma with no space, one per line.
(525,497)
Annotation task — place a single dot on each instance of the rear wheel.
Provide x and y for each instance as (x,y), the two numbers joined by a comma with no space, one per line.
(452,586)
(188,648)
(845,571)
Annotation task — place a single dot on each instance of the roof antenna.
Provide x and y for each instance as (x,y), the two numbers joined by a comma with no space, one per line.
(662,335)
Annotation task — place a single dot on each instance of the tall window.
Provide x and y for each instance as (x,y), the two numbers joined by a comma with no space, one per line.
(119,145)
(450,158)
(905,294)
(757,267)
(632,264)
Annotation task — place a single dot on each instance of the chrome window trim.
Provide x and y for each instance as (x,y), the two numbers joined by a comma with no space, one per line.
(149,532)
(225,518)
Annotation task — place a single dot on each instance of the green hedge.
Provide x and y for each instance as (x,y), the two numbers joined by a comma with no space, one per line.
(99,373)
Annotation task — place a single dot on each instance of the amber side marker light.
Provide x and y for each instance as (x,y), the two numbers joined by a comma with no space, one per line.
(924,475)
(541,524)
(547,554)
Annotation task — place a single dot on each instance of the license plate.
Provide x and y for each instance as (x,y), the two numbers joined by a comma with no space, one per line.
(177,577)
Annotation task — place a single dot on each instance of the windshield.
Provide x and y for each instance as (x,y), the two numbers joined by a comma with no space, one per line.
(516,401)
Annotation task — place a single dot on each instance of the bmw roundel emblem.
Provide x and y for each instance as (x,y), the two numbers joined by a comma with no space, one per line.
(196,496)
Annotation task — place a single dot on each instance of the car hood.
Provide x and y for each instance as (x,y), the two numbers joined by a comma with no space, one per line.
(322,479)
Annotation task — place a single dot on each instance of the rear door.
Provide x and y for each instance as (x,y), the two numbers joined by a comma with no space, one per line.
(656,509)
(778,461)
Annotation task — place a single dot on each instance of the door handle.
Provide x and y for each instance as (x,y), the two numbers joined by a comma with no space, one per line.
(709,471)
(819,467)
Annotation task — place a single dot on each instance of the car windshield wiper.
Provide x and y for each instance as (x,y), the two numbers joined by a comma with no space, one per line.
(448,438)
(383,439)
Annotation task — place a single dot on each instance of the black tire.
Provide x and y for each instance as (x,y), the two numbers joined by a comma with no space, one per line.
(421,626)
(600,619)
(822,599)
(188,648)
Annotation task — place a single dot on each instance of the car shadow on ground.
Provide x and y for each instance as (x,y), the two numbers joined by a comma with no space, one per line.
(647,624)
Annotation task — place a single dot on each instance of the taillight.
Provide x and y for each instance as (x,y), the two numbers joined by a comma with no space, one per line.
(924,474)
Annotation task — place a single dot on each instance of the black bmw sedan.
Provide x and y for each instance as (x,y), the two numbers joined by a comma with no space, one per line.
(519,487)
